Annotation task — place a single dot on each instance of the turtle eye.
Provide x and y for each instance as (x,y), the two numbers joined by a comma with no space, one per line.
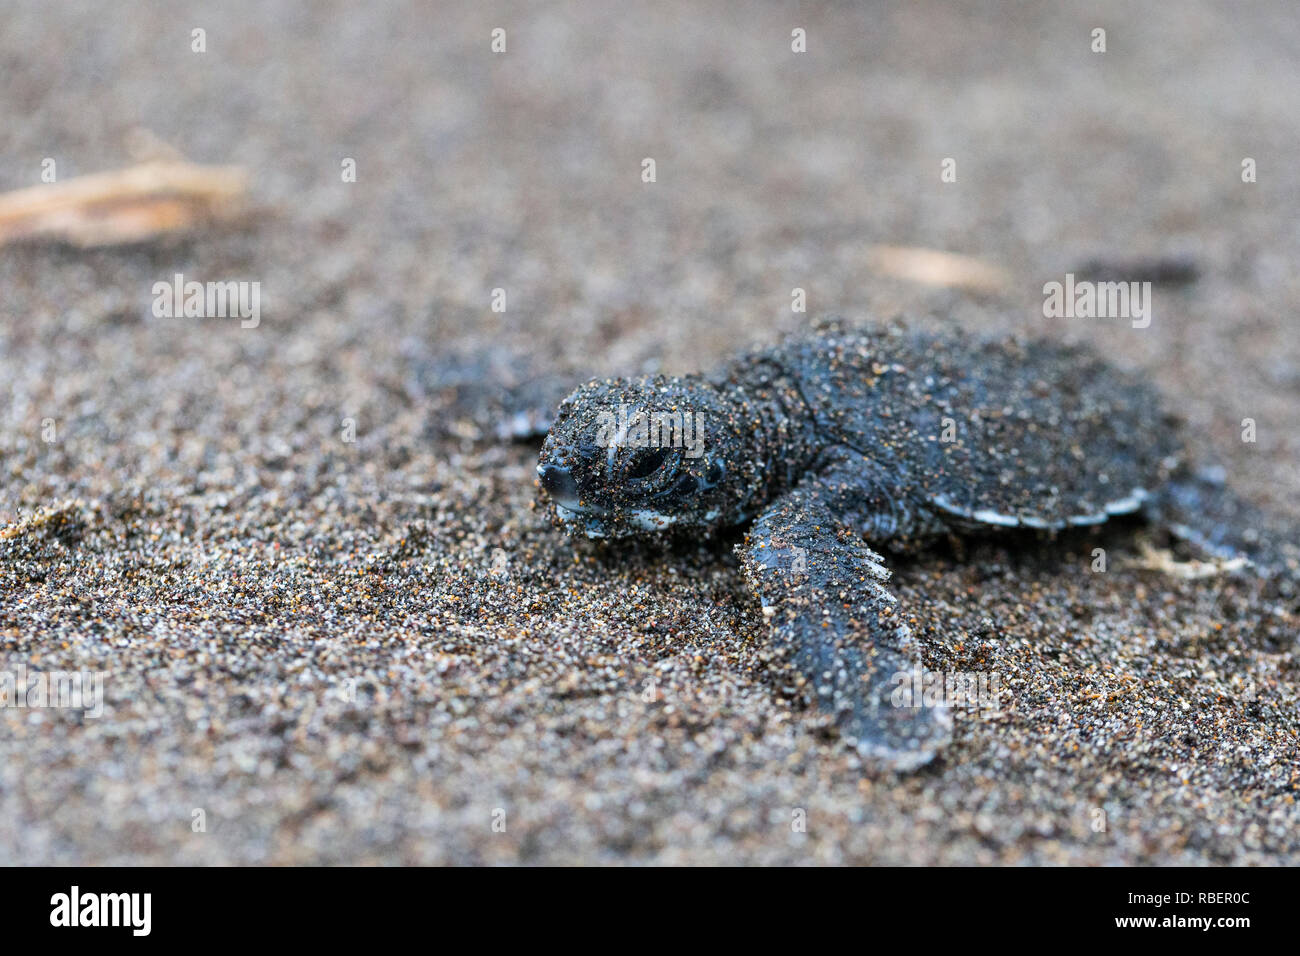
(647,463)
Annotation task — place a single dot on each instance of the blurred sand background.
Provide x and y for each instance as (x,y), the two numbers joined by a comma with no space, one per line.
(305,637)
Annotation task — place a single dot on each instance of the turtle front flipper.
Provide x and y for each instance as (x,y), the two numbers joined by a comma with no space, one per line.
(823,594)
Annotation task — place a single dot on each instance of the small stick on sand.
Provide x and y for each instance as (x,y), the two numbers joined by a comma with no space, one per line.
(129,205)
(1162,560)
(933,267)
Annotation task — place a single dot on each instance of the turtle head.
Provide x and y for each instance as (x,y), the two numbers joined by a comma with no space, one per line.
(638,456)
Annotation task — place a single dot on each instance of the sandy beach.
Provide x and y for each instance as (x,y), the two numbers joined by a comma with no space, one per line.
(332,621)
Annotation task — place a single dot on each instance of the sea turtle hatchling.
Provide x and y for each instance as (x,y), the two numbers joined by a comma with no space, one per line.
(843,436)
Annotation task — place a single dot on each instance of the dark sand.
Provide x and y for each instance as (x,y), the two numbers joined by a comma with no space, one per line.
(304,637)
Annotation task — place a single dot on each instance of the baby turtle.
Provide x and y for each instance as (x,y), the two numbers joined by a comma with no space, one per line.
(843,437)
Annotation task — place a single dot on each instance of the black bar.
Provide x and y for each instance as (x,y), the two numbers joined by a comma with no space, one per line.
(330,906)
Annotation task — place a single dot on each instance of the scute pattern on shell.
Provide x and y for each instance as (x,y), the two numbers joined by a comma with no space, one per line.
(1041,434)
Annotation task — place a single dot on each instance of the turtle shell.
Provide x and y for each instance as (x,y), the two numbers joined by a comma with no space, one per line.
(1007,433)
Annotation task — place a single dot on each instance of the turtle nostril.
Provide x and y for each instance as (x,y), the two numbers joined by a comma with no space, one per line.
(558,482)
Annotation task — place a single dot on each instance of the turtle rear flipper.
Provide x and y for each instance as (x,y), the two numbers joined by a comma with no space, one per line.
(1202,510)
(824,596)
